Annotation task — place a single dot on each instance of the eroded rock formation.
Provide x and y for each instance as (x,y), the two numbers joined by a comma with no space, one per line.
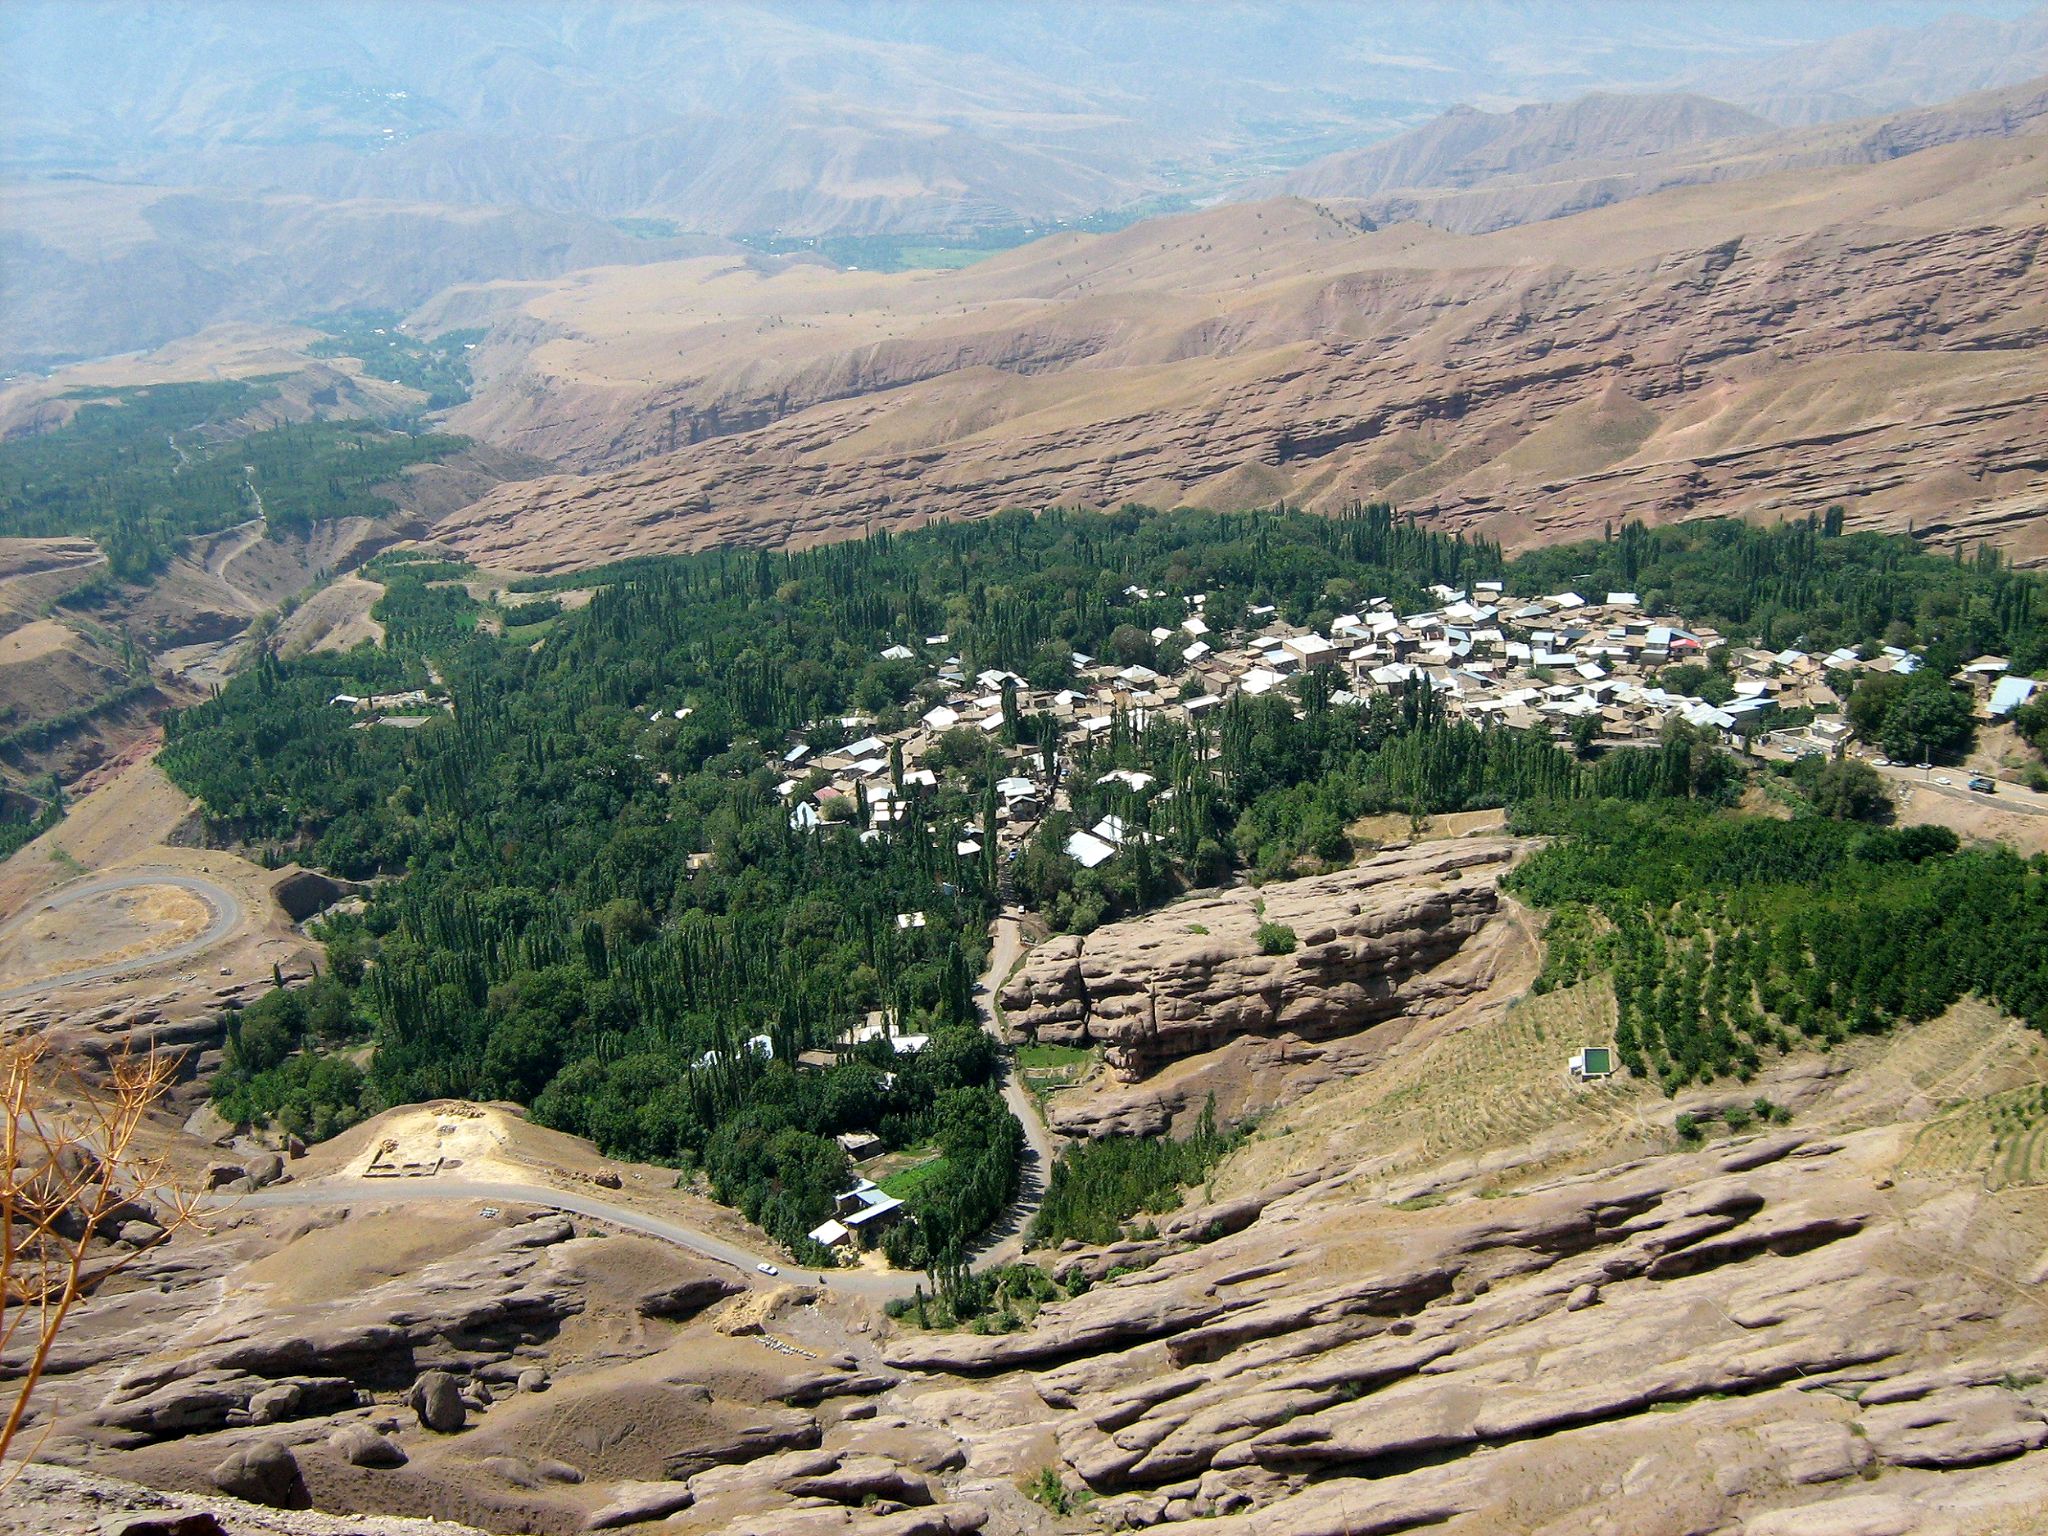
(1380,950)
(1732,1332)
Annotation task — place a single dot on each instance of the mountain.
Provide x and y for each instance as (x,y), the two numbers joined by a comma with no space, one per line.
(1464,147)
(1455,187)
(179,168)
(803,119)
(88,269)
(1884,69)
(1868,334)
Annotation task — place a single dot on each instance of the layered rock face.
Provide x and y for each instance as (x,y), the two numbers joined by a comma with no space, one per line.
(1701,1343)
(1868,335)
(1387,943)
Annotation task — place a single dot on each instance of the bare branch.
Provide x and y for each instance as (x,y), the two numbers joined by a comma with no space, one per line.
(71,1164)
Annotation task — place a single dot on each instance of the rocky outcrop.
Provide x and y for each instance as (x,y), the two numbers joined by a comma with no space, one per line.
(263,1473)
(437,1399)
(687,1297)
(1733,1332)
(1530,385)
(263,1365)
(633,1503)
(1375,945)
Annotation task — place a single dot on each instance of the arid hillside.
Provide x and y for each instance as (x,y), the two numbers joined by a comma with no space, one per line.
(1473,172)
(1866,334)
(94,267)
(1464,147)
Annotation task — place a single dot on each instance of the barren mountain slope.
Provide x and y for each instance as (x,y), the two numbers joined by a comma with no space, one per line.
(1545,163)
(89,267)
(1884,68)
(1864,334)
(1466,146)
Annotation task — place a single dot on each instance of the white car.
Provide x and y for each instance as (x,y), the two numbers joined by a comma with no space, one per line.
(1884,762)
(1942,778)
(766,1268)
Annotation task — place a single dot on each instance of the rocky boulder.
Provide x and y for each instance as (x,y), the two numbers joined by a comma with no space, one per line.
(1377,944)
(437,1399)
(632,1503)
(361,1446)
(687,1297)
(264,1472)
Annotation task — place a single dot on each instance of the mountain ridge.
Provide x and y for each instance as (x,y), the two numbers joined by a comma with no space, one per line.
(1466,145)
(1858,333)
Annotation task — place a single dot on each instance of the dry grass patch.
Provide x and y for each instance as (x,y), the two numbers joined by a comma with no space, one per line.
(1491,1095)
(1970,1052)
(2002,1139)
(1390,827)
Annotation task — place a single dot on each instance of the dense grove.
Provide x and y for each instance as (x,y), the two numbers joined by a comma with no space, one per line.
(1096,1186)
(25,817)
(1810,585)
(143,469)
(1734,937)
(436,366)
(607,913)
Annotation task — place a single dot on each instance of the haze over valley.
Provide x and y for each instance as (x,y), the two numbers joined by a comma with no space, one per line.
(903,769)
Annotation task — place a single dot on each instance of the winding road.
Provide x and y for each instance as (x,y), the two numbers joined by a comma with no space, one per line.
(1004,1245)
(225,907)
(859,1282)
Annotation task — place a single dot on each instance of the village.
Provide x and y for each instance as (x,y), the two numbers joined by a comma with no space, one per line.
(1594,671)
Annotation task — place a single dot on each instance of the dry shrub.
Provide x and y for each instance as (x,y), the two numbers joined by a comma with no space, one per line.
(73,1172)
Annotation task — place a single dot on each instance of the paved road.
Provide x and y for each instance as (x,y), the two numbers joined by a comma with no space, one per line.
(1005,1242)
(404,1191)
(2010,796)
(225,906)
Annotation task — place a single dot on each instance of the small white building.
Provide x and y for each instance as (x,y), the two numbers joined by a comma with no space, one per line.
(1088,850)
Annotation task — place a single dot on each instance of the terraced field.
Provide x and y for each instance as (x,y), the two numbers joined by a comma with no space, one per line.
(1046,1069)
(2002,1138)
(1490,1096)
(1971,1052)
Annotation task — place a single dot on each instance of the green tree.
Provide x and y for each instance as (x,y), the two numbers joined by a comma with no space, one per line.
(1848,789)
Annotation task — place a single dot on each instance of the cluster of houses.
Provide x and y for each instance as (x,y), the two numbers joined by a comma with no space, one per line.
(1546,662)
(407,710)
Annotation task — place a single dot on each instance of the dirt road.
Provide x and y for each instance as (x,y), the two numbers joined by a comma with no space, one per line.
(865,1283)
(2010,796)
(226,910)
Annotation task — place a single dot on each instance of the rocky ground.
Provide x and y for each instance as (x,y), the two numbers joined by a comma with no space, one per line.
(1442,1287)
(100,974)
(1184,1005)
